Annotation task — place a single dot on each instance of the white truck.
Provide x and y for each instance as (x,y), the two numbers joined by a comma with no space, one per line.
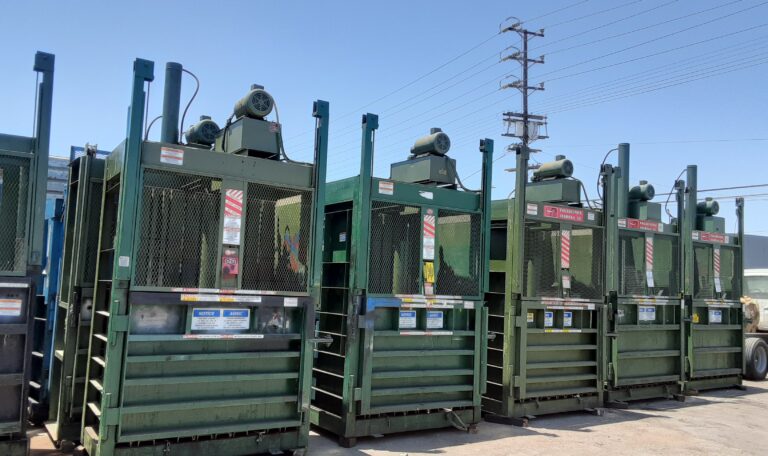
(755,302)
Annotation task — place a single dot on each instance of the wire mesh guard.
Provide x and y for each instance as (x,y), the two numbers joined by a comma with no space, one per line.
(92,231)
(278,228)
(394,249)
(704,266)
(14,188)
(178,240)
(458,253)
(633,278)
(543,262)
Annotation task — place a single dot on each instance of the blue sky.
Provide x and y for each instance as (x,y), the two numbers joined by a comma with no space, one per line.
(392,58)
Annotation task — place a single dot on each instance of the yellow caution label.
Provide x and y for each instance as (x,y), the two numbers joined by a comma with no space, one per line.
(429,272)
(695,318)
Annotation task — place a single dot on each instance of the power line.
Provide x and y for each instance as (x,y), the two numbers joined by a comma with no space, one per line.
(647,27)
(719,18)
(581,2)
(607,24)
(633,88)
(682,141)
(596,13)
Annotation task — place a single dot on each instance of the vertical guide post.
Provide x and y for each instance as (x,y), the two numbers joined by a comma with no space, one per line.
(143,72)
(513,291)
(623,183)
(486,148)
(363,204)
(689,225)
(44,63)
(738,289)
(609,318)
(320,111)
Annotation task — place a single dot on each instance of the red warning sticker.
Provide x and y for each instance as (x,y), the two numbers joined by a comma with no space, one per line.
(564,213)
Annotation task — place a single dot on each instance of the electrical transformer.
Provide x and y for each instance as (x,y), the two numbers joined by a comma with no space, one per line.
(644,339)
(71,325)
(714,275)
(23,179)
(402,296)
(203,307)
(546,298)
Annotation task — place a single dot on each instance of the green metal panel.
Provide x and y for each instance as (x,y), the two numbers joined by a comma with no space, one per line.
(203,310)
(643,337)
(714,273)
(73,319)
(23,182)
(545,306)
(408,340)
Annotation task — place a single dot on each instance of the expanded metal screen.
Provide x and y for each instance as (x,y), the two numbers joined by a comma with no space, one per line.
(704,283)
(178,235)
(92,231)
(458,253)
(543,261)
(14,188)
(633,280)
(394,249)
(278,228)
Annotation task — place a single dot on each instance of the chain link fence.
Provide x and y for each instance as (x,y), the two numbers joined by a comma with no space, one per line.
(14,198)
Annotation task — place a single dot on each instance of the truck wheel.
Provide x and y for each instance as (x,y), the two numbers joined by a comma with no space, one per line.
(757,358)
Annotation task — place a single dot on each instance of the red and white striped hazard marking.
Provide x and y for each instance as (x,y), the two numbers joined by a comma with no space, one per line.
(565,249)
(716,262)
(429,226)
(649,253)
(233,204)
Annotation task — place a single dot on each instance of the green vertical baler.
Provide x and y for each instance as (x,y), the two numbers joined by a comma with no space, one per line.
(23,182)
(73,318)
(714,274)
(546,298)
(644,332)
(402,296)
(203,309)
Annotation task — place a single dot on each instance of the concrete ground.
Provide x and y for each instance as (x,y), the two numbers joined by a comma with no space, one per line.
(717,422)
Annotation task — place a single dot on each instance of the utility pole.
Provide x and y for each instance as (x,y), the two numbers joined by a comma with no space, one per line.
(523,125)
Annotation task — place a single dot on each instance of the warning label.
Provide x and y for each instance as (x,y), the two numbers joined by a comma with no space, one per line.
(646,313)
(567,319)
(171,156)
(10,307)
(220,319)
(233,212)
(435,319)
(386,187)
(549,319)
(715,316)
(564,213)
(644,225)
(407,319)
(429,236)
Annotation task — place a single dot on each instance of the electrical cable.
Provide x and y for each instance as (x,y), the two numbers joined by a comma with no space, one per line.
(146,109)
(149,127)
(197,87)
(37,100)
(280,135)
(599,193)
(669,196)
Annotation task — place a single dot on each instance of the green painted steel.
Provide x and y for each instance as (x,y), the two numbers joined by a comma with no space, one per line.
(545,302)
(644,329)
(714,274)
(403,279)
(23,182)
(73,319)
(200,341)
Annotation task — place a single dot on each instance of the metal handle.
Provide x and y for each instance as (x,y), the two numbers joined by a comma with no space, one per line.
(491,336)
(322,341)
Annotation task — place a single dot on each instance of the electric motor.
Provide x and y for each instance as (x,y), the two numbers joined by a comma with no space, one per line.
(436,143)
(708,207)
(642,192)
(558,169)
(257,104)
(203,132)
